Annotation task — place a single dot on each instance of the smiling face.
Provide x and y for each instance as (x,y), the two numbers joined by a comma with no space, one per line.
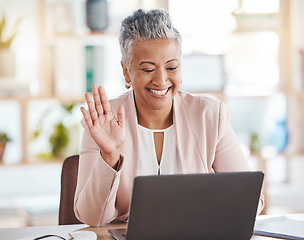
(155,74)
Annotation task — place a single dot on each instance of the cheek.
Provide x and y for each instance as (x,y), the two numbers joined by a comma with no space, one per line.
(140,79)
(134,79)
(137,82)
(177,82)
(177,78)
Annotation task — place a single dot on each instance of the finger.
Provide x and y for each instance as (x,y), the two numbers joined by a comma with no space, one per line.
(120,116)
(91,107)
(97,101)
(104,100)
(86,117)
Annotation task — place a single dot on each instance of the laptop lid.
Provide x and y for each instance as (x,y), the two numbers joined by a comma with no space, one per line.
(194,206)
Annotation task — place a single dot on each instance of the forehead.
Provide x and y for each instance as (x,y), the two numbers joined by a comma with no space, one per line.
(156,49)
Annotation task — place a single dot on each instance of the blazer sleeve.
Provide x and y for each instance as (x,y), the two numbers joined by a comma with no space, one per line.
(97,184)
(229,156)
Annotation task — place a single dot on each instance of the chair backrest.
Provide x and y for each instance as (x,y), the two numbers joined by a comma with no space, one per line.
(69,175)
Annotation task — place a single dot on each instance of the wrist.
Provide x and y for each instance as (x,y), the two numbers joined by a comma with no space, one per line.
(112,159)
(119,162)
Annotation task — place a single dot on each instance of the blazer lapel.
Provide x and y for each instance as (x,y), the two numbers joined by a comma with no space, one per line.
(131,145)
(130,152)
(187,147)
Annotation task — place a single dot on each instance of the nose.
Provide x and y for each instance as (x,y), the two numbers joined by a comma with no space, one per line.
(160,78)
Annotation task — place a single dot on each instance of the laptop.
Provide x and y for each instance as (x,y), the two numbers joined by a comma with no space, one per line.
(217,206)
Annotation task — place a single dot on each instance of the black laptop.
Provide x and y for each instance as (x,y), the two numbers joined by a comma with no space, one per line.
(219,206)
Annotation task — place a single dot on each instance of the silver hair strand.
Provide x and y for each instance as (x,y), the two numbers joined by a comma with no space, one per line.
(153,24)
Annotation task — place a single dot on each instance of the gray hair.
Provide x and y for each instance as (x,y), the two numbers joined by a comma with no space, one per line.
(153,24)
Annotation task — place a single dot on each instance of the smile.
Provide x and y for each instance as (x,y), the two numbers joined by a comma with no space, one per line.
(159,92)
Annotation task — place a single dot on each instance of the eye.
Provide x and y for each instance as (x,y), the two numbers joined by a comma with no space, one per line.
(148,70)
(171,68)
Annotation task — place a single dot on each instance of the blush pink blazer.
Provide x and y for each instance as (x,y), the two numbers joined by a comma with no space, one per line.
(206,143)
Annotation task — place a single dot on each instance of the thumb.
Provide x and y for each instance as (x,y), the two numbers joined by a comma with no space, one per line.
(120,116)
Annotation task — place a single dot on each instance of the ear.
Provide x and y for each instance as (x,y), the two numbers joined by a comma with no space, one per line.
(125,71)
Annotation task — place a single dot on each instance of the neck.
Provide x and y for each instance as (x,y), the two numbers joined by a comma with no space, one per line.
(155,119)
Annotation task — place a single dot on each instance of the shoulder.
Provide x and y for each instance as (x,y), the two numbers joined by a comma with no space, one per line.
(202,108)
(199,102)
(202,111)
(122,99)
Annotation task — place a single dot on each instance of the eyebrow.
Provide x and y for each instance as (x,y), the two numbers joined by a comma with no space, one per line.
(143,62)
(171,60)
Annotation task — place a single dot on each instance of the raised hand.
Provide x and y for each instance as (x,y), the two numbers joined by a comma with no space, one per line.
(107,131)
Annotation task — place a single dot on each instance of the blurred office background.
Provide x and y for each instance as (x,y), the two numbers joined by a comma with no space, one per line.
(249,53)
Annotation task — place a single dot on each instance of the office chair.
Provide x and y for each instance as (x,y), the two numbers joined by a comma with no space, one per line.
(69,175)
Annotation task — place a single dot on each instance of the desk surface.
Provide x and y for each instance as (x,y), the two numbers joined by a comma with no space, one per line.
(102,232)
(63,230)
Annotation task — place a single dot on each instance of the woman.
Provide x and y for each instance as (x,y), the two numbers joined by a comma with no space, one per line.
(154,129)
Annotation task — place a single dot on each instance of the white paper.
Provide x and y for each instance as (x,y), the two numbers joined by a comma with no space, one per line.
(30,233)
(281,226)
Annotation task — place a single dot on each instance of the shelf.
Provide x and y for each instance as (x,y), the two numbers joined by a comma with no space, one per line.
(248,91)
(27,98)
(298,94)
(253,22)
(26,115)
(240,92)
(32,163)
(10,87)
(90,38)
(68,77)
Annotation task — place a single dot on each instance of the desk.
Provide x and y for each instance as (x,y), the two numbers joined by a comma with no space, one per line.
(63,230)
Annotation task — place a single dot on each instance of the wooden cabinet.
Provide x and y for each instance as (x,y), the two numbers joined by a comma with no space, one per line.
(62,62)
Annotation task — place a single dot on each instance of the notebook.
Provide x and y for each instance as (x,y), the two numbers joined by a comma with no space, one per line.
(217,206)
(280,227)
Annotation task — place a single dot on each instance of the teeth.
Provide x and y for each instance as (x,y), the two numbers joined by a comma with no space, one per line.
(163,92)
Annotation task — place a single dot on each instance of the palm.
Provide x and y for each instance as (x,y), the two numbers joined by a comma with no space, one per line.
(107,131)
